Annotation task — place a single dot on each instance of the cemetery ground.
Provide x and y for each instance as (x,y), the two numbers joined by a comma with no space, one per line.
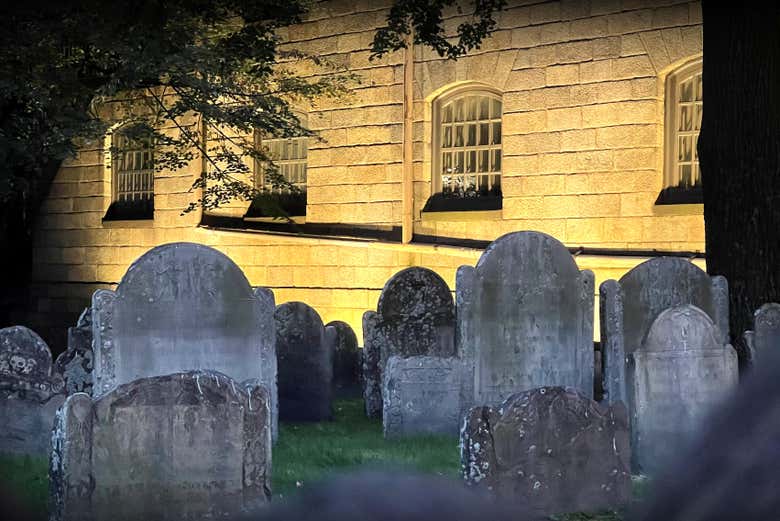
(305,453)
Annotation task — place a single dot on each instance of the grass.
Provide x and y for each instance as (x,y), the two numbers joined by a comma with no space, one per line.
(303,454)
(306,452)
(26,479)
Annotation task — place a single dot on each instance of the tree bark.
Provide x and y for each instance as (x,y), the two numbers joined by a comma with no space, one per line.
(739,150)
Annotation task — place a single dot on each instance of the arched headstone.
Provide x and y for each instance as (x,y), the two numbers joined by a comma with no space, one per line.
(525,318)
(305,357)
(415,317)
(629,306)
(346,359)
(191,445)
(29,393)
(180,307)
(679,374)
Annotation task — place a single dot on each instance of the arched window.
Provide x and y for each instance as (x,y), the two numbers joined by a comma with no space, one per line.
(683,111)
(467,144)
(132,180)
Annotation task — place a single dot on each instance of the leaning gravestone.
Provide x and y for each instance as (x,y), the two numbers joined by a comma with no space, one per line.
(183,306)
(421,395)
(76,363)
(305,357)
(765,336)
(629,307)
(370,374)
(192,445)
(346,359)
(552,450)
(29,393)
(679,375)
(525,318)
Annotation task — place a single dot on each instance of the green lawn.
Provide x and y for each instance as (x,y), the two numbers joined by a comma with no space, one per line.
(304,453)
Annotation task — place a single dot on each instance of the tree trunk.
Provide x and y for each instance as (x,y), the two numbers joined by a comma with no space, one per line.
(739,149)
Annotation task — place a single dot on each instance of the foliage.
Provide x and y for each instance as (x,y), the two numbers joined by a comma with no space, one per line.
(25,479)
(174,70)
(425,20)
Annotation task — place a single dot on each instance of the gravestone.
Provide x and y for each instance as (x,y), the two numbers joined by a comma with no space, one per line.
(765,336)
(29,393)
(179,307)
(371,377)
(192,445)
(552,450)
(346,360)
(421,395)
(76,363)
(415,317)
(525,318)
(629,307)
(305,357)
(679,375)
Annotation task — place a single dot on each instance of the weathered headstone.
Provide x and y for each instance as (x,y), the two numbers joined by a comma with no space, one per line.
(629,307)
(346,360)
(679,374)
(76,363)
(765,336)
(305,357)
(29,393)
(552,450)
(180,307)
(421,395)
(415,317)
(371,377)
(525,318)
(193,445)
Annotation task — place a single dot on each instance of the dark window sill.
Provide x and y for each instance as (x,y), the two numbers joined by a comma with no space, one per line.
(448,203)
(680,195)
(278,205)
(142,210)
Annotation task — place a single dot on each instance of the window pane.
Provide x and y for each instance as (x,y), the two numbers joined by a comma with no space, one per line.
(484,133)
(686,118)
(496,109)
(484,108)
(495,182)
(496,160)
(484,182)
(458,110)
(496,133)
(446,163)
(447,141)
(698,87)
(471,108)
(685,175)
(447,114)
(471,162)
(459,135)
(686,90)
(459,163)
(472,136)
(484,161)
(698,117)
(684,152)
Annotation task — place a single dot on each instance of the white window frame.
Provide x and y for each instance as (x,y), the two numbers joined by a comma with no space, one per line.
(672,116)
(438,132)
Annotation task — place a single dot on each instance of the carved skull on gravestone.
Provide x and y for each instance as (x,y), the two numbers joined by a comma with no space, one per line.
(22,365)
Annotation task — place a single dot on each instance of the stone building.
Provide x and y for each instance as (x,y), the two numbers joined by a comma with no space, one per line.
(575,118)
